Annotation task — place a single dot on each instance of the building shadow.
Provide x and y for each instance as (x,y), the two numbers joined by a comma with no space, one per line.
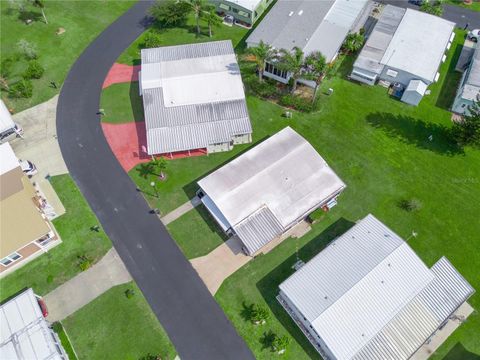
(268,285)
(458,352)
(449,87)
(136,102)
(210,221)
(191,188)
(424,135)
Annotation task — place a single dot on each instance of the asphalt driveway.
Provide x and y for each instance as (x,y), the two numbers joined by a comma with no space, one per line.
(193,320)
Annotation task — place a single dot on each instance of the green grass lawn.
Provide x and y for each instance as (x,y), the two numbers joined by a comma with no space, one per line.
(116,327)
(60,264)
(380,147)
(475,6)
(122,103)
(196,232)
(183,35)
(65,340)
(82,20)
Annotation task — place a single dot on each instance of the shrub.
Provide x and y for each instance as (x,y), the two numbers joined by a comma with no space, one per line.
(434,8)
(259,315)
(49,279)
(409,204)
(84,262)
(28,50)
(152,40)
(170,13)
(129,293)
(264,89)
(280,344)
(34,70)
(296,102)
(21,89)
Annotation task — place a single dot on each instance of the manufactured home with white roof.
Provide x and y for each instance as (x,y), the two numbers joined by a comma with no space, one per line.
(193,98)
(270,188)
(406,47)
(245,12)
(309,25)
(469,90)
(369,296)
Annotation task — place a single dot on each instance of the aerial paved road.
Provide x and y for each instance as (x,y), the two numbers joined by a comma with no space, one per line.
(193,320)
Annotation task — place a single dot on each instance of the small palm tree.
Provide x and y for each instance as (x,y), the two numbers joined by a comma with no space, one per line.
(41,5)
(292,62)
(260,315)
(280,344)
(315,68)
(198,7)
(161,165)
(353,42)
(263,53)
(212,19)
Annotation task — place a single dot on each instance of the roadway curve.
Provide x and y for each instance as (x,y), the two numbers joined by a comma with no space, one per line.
(195,323)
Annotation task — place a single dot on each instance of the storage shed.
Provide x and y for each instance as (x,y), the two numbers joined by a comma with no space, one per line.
(268,189)
(369,296)
(414,92)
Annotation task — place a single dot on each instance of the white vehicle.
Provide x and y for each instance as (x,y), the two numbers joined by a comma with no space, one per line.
(8,129)
(28,167)
(474,35)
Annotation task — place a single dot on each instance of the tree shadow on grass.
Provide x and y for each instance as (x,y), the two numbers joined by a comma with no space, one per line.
(268,285)
(449,87)
(136,102)
(424,135)
(458,352)
(211,222)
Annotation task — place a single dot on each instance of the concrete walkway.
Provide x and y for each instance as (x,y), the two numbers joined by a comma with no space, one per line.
(181,210)
(463,312)
(86,286)
(40,145)
(219,264)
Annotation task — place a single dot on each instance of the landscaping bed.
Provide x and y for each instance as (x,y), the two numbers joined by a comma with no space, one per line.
(80,248)
(118,325)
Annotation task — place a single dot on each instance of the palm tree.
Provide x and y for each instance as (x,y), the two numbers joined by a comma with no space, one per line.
(198,7)
(212,19)
(315,68)
(263,53)
(292,62)
(353,42)
(41,5)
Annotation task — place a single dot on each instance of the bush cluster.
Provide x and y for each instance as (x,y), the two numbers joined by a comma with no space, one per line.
(21,89)
(34,70)
(297,103)
(152,40)
(264,89)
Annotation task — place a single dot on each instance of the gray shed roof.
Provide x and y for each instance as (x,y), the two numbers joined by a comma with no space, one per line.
(365,293)
(471,88)
(267,189)
(192,96)
(308,24)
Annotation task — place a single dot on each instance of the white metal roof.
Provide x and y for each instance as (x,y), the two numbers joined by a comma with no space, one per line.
(471,85)
(6,120)
(8,159)
(419,44)
(24,333)
(247,4)
(310,25)
(418,86)
(366,293)
(284,173)
(193,96)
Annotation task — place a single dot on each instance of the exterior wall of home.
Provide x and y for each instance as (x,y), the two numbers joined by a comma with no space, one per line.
(358,74)
(402,77)
(242,139)
(213,148)
(239,13)
(461,105)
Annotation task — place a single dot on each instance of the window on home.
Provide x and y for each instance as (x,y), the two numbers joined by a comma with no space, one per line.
(244,14)
(392,73)
(273,70)
(235,10)
(224,7)
(7,260)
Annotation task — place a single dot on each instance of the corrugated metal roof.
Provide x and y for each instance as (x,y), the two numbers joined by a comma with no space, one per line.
(284,173)
(471,84)
(369,296)
(258,229)
(6,120)
(24,333)
(372,53)
(420,318)
(196,125)
(309,25)
(408,40)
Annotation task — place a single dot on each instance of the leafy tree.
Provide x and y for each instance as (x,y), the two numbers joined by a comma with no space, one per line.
(152,40)
(263,53)
(315,68)
(353,42)
(432,7)
(41,5)
(160,164)
(212,19)
(34,70)
(280,344)
(467,131)
(170,13)
(21,89)
(292,62)
(199,8)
